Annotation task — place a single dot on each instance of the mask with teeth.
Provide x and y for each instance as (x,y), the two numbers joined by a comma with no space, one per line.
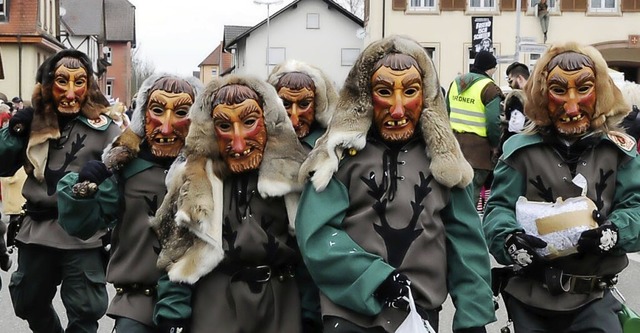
(397,97)
(166,121)
(571,90)
(70,86)
(239,125)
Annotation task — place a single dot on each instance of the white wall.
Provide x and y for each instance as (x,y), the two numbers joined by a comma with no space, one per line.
(450,33)
(319,47)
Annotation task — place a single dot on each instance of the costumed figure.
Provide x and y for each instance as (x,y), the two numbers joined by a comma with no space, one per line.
(225,224)
(567,259)
(140,157)
(117,112)
(390,217)
(309,97)
(64,130)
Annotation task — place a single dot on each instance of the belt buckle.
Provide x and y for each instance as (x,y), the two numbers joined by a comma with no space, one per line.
(267,272)
(581,284)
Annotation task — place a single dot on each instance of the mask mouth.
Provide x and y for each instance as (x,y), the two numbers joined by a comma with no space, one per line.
(164,140)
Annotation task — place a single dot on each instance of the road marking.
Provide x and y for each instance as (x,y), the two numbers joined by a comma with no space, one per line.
(634,256)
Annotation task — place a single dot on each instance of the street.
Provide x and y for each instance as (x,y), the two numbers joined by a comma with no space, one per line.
(10,323)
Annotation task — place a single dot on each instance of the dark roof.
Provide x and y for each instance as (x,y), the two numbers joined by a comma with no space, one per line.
(231,32)
(120,16)
(80,17)
(228,43)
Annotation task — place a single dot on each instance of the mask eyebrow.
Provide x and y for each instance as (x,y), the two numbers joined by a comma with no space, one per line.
(558,79)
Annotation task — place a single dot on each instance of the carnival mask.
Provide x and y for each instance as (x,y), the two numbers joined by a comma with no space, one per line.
(70,86)
(241,134)
(397,102)
(300,107)
(166,122)
(572,99)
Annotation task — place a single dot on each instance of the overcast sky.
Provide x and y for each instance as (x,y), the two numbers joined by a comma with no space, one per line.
(175,36)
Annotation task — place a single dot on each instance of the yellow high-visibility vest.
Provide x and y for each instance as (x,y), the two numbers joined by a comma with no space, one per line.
(467,111)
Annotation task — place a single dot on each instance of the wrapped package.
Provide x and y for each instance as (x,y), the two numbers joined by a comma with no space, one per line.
(558,223)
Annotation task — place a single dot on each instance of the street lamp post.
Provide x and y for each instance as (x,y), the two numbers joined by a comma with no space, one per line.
(268,3)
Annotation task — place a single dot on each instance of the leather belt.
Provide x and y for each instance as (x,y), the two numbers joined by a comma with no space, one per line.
(147,290)
(257,274)
(558,282)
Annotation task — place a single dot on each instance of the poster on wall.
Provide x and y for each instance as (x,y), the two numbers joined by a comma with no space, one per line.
(481,34)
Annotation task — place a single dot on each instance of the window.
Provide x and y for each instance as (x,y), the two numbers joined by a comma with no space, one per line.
(109,88)
(4,17)
(432,51)
(214,72)
(313,21)
(423,5)
(482,5)
(553,6)
(348,56)
(107,53)
(276,55)
(603,6)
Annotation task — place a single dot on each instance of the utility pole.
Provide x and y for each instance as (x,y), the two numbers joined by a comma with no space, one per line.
(268,3)
(518,13)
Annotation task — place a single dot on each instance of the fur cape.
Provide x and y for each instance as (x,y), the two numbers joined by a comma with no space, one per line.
(193,204)
(354,113)
(610,106)
(326,95)
(44,126)
(126,146)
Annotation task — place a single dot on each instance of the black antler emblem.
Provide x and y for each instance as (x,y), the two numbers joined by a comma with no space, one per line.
(53,176)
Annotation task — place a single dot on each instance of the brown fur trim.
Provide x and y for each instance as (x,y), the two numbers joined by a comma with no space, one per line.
(610,107)
(123,150)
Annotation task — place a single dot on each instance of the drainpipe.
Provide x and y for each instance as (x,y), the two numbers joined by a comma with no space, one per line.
(383,16)
(19,66)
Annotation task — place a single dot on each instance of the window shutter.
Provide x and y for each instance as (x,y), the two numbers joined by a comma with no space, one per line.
(508,5)
(446,5)
(573,5)
(631,5)
(399,5)
(451,5)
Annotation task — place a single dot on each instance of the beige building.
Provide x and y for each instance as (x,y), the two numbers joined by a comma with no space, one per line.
(444,28)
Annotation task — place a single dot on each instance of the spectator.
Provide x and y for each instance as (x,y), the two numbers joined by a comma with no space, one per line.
(474,110)
(631,93)
(517,75)
(17,103)
(5,115)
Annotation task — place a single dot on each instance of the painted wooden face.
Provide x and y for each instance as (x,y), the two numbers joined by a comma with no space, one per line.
(166,122)
(300,105)
(70,89)
(241,134)
(397,102)
(572,99)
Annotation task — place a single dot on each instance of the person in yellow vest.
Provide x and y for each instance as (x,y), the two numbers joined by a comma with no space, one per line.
(473,102)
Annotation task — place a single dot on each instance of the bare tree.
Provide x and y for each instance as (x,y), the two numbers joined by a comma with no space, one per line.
(356,7)
(141,69)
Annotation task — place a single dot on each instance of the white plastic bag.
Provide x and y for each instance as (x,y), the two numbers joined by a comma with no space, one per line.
(414,323)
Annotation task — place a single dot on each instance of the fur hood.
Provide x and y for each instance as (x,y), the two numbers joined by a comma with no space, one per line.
(44,125)
(326,95)
(512,96)
(354,113)
(126,146)
(189,221)
(610,106)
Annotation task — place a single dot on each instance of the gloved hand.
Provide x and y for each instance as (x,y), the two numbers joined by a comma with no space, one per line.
(20,122)
(392,290)
(174,326)
(522,248)
(471,330)
(599,240)
(94,172)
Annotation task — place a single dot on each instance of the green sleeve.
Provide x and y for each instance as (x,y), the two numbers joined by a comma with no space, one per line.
(343,271)
(468,261)
(500,210)
(625,212)
(492,114)
(174,300)
(11,152)
(83,217)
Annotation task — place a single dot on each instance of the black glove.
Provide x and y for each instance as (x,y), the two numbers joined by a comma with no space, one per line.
(522,248)
(392,290)
(471,330)
(94,171)
(599,240)
(173,326)
(20,123)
